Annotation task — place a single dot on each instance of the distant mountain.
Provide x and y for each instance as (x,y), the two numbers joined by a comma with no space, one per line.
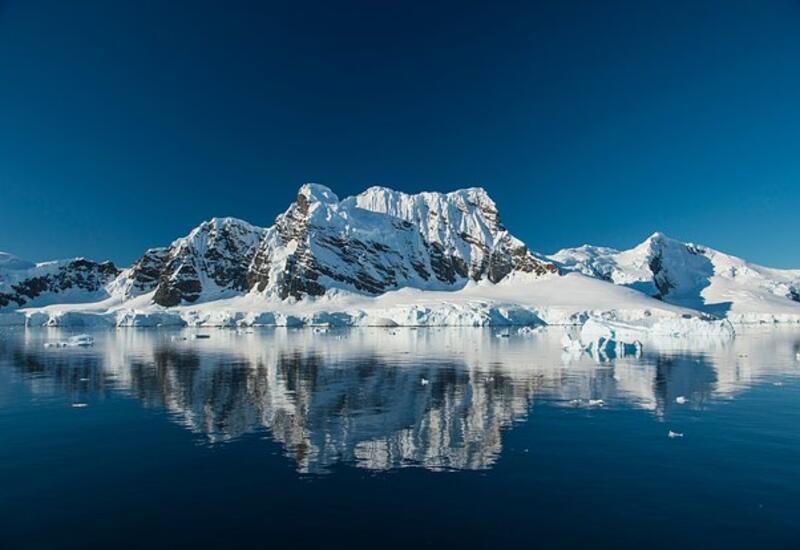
(690,275)
(24,283)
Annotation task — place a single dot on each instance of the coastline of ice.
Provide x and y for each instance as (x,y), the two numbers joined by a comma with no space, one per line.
(618,315)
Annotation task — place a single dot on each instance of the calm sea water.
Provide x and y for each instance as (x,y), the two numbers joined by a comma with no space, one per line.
(377,438)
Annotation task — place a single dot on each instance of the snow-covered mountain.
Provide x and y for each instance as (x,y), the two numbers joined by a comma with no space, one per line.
(371,243)
(386,257)
(692,276)
(24,283)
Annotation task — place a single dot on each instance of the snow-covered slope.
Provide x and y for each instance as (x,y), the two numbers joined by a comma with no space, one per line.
(693,276)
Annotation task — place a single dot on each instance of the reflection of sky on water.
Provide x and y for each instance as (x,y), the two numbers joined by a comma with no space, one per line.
(381,399)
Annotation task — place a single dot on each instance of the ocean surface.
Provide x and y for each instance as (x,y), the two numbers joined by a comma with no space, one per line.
(395,438)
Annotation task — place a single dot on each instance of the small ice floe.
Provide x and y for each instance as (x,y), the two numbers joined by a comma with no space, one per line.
(777,383)
(597,403)
(575,403)
(424,381)
(320,330)
(201,336)
(79,405)
(681,400)
(84,379)
(797,356)
(527,331)
(673,435)
(81,340)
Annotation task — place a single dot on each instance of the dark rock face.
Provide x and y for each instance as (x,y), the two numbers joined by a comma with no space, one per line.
(178,284)
(146,272)
(56,278)
(660,279)
(509,257)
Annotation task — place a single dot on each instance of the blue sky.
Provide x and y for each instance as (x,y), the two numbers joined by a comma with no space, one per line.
(125,124)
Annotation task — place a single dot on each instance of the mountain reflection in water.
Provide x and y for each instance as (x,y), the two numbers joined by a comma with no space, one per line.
(377,398)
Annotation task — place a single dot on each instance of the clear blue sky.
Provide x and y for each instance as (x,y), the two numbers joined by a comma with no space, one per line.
(125,124)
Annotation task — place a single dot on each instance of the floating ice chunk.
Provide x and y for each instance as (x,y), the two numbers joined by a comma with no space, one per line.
(84,379)
(597,403)
(673,435)
(81,340)
(681,400)
(504,334)
(527,331)
(79,405)
(797,356)
(424,381)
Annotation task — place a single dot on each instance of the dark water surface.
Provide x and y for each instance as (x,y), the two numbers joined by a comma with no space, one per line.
(376,438)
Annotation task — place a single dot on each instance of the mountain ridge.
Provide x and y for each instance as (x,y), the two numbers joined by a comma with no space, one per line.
(381,242)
